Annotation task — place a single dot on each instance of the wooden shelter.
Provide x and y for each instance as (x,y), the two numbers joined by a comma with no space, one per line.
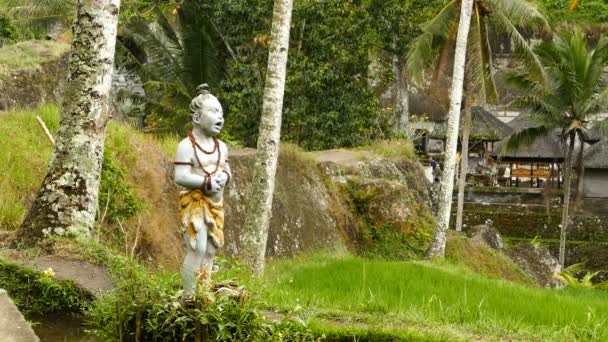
(538,162)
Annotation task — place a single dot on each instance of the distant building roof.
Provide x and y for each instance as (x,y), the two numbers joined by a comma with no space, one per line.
(547,148)
(485,126)
(596,156)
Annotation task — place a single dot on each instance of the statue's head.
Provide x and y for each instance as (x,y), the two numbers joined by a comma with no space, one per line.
(206,112)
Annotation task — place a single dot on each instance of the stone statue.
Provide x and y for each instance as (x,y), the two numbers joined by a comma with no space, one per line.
(201,167)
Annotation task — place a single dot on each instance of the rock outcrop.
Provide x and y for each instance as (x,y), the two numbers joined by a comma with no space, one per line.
(485,234)
(537,262)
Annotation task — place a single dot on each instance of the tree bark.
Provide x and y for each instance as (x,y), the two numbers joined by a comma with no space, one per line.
(401,94)
(437,247)
(67,200)
(259,202)
(580,175)
(464,155)
(566,204)
(464,166)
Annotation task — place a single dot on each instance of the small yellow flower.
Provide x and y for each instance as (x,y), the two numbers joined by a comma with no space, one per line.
(49,272)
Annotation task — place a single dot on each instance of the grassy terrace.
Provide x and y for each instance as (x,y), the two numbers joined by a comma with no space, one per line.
(447,302)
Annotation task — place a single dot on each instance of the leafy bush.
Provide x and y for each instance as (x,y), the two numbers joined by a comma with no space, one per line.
(154,303)
(116,198)
(7,30)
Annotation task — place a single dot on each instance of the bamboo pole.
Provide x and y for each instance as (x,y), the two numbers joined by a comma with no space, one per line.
(45,129)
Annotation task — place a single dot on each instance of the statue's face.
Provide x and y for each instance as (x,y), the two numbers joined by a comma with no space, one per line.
(210,118)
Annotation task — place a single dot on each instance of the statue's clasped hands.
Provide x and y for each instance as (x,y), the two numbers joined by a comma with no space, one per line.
(217,184)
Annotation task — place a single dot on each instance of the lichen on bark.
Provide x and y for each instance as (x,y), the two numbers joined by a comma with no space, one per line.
(67,200)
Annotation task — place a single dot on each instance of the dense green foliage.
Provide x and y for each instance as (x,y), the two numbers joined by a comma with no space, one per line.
(330,100)
(116,198)
(429,295)
(587,12)
(7,30)
(39,293)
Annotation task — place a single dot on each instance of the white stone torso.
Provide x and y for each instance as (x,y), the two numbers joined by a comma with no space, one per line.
(209,160)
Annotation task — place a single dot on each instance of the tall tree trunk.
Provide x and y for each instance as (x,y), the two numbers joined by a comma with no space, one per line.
(464,155)
(437,247)
(464,166)
(566,204)
(259,201)
(400,92)
(67,200)
(580,175)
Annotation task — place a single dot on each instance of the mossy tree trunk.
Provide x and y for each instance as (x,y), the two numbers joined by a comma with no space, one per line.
(67,200)
(437,247)
(566,203)
(259,203)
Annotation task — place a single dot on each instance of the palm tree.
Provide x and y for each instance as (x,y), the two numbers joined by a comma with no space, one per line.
(259,201)
(172,56)
(437,246)
(433,49)
(574,91)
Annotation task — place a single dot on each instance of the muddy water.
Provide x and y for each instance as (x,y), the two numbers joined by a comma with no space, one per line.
(62,329)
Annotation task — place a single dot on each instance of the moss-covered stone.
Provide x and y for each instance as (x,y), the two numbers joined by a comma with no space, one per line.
(39,292)
(523,221)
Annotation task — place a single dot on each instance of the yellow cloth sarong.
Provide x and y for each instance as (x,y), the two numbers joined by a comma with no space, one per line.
(196,210)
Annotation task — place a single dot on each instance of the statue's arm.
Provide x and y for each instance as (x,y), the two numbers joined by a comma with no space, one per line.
(226,174)
(183,168)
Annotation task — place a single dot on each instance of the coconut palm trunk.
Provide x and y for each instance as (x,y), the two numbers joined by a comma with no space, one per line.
(259,201)
(566,205)
(580,175)
(437,247)
(464,165)
(67,200)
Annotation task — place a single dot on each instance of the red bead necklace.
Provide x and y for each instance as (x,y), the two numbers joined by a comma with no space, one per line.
(216,147)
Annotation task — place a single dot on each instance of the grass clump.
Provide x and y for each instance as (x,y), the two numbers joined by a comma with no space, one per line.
(30,53)
(483,260)
(39,293)
(439,294)
(24,152)
(392,149)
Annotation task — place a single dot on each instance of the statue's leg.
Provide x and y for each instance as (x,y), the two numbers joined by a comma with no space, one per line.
(208,258)
(193,261)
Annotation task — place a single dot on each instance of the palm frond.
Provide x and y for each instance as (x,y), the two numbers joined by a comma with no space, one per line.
(201,52)
(520,13)
(163,53)
(523,138)
(441,24)
(479,59)
(420,57)
(522,48)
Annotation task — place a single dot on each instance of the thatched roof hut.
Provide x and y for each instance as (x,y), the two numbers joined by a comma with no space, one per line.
(545,149)
(485,127)
(596,157)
